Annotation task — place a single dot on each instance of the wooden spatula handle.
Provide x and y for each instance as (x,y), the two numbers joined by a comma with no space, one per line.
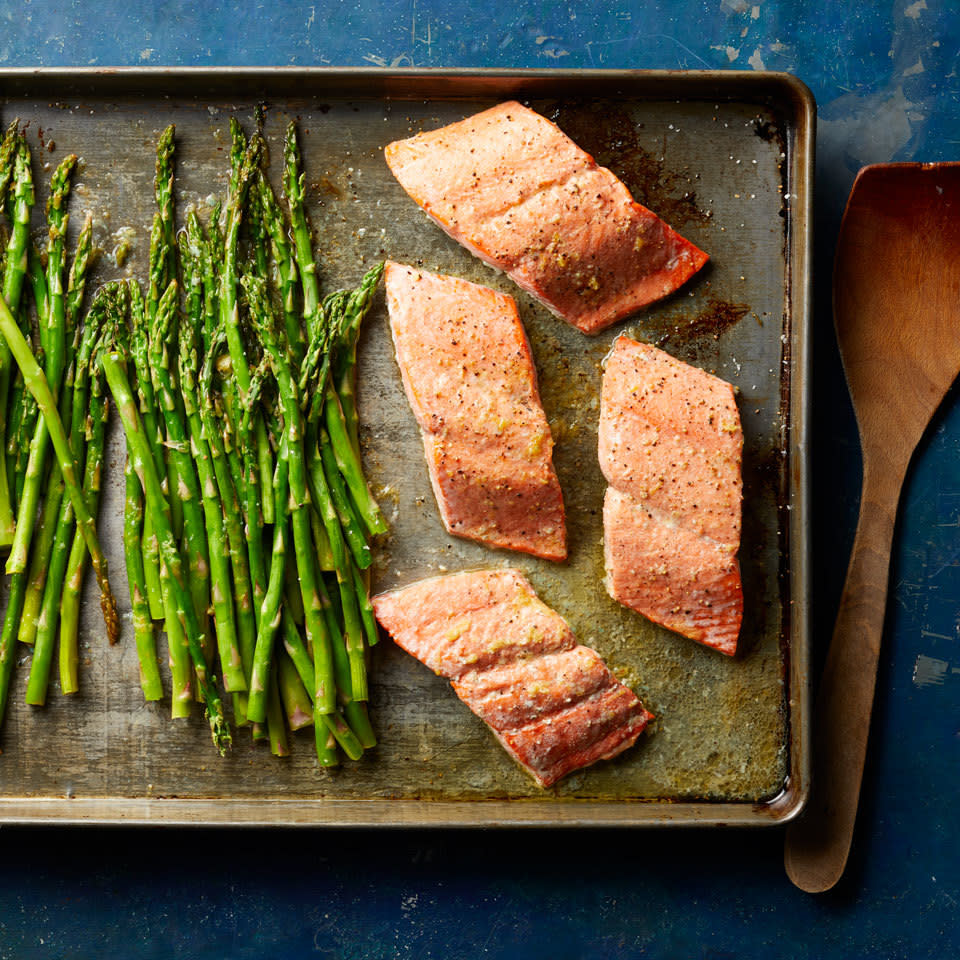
(817,845)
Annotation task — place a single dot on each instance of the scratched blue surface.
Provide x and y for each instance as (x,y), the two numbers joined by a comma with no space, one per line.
(885,76)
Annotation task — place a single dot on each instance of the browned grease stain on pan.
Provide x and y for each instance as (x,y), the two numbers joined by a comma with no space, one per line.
(713,320)
(609,134)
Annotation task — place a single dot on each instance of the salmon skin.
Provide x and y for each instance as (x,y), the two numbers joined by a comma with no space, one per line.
(670,446)
(470,379)
(520,194)
(552,704)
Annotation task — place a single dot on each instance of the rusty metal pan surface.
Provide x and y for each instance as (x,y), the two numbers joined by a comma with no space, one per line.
(726,158)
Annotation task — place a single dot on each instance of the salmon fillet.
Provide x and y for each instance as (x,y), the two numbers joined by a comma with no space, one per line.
(520,194)
(552,703)
(670,446)
(470,379)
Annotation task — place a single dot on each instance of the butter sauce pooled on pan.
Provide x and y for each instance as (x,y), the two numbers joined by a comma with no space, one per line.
(552,704)
(520,194)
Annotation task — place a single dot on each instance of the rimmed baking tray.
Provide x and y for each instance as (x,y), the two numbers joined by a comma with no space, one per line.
(726,158)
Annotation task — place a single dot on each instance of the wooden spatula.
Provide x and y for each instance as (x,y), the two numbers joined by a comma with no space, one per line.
(896,300)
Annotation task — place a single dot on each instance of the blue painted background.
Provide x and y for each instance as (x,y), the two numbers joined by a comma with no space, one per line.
(885,75)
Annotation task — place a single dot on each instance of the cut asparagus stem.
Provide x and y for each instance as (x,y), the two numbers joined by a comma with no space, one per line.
(36,575)
(271,608)
(297,704)
(335,722)
(143,630)
(8,638)
(178,647)
(354,710)
(47,621)
(326,742)
(361,580)
(276,729)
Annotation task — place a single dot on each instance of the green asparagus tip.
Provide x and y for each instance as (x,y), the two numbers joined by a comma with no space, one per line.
(60,183)
(165,152)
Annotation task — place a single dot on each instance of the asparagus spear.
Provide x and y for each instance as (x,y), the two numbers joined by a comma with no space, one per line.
(242,431)
(162,335)
(231,663)
(294,181)
(91,448)
(140,354)
(8,640)
(8,149)
(141,457)
(165,251)
(95,436)
(18,583)
(143,630)
(28,612)
(245,165)
(271,610)
(233,518)
(26,417)
(14,272)
(18,448)
(37,384)
(339,312)
(317,634)
(55,350)
(162,269)
(157,576)
(285,264)
(73,405)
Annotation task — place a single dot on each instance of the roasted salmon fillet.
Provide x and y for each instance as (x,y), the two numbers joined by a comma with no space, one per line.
(670,446)
(552,703)
(470,379)
(520,194)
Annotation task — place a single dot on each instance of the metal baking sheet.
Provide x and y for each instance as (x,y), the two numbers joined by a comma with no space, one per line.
(726,158)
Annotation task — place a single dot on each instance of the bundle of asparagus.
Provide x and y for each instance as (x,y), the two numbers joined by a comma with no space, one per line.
(47,507)
(235,384)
